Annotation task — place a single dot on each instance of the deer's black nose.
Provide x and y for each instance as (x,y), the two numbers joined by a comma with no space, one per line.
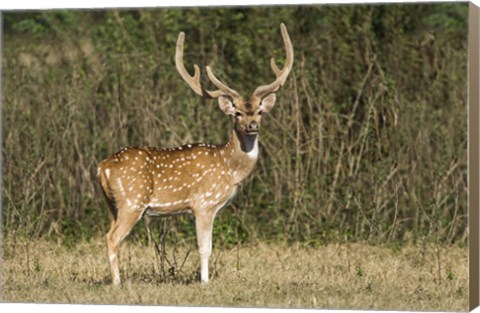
(252,126)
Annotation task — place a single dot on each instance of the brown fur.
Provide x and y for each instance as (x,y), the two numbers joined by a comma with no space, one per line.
(195,178)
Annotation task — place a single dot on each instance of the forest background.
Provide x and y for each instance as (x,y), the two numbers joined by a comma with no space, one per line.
(367,142)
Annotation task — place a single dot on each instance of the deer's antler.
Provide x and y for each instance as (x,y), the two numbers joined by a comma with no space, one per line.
(282,74)
(194,81)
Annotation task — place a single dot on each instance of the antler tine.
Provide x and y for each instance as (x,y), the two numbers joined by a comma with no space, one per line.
(227,90)
(275,68)
(282,74)
(192,81)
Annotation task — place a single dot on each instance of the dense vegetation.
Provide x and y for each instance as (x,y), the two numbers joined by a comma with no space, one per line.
(367,141)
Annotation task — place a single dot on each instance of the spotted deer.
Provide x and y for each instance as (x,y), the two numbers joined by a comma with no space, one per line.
(196,178)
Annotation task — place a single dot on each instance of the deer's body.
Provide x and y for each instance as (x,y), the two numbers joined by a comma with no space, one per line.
(169,181)
(196,178)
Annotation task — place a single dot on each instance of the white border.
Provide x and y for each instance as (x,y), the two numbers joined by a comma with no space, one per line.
(90,4)
(10,5)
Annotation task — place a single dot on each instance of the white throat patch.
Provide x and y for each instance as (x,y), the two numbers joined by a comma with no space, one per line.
(253,154)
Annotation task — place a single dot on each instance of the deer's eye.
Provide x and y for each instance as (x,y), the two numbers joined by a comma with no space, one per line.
(260,112)
(238,114)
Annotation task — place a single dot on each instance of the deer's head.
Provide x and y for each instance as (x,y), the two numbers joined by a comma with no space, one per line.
(247,112)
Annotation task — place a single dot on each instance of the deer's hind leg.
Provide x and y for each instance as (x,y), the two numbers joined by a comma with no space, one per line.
(119,229)
(129,209)
(128,200)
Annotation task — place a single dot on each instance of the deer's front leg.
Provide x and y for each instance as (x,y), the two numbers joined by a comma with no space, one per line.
(204,224)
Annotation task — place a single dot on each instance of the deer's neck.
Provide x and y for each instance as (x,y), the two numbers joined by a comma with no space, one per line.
(245,144)
(241,155)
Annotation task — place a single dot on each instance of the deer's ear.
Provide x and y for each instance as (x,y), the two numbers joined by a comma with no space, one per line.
(226,105)
(268,102)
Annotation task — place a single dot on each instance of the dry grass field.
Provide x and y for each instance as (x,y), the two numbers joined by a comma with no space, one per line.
(357,276)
